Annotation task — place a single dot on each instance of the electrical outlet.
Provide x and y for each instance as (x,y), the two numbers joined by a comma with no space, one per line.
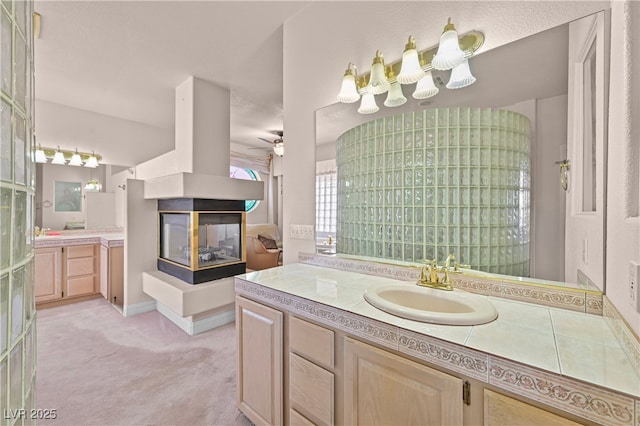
(634,287)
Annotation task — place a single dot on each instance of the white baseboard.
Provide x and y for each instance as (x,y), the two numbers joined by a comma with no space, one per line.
(196,327)
(138,308)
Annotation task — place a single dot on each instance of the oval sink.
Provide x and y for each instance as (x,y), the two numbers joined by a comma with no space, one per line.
(425,304)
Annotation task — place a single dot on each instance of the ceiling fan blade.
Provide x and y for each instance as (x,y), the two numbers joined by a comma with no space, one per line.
(266,140)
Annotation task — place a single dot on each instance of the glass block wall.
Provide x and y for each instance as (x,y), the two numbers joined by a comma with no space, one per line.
(425,184)
(17,187)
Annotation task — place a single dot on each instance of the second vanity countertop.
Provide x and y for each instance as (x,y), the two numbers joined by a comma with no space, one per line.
(572,344)
(108,238)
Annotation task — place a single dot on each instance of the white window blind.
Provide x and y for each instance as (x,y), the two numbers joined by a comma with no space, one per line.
(326,201)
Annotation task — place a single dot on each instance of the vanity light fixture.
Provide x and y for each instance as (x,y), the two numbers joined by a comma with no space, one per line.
(40,155)
(59,156)
(395,97)
(449,54)
(92,161)
(75,159)
(415,67)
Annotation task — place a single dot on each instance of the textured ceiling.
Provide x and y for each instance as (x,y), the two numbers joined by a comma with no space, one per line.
(124,58)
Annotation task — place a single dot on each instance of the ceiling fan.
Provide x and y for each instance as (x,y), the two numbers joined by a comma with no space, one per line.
(278,143)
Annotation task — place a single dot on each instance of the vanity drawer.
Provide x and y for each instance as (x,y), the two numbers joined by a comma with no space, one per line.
(80,266)
(311,390)
(80,251)
(80,286)
(311,341)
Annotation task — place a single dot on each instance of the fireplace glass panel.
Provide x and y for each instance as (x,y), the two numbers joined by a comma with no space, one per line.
(218,239)
(175,239)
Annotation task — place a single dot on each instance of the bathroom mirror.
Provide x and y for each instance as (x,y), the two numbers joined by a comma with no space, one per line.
(529,76)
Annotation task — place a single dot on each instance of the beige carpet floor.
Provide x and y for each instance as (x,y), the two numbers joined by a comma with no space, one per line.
(96,367)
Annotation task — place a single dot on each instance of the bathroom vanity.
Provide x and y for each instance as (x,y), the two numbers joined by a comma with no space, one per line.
(311,350)
(75,266)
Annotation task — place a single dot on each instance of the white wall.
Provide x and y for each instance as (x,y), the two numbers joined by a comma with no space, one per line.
(623,223)
(128,142)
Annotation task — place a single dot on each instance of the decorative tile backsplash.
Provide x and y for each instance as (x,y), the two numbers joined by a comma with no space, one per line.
(424,184)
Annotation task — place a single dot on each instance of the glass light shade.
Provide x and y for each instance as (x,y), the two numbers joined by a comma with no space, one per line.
(58,158)
(76,160)
(410,70)
(40,156)
(278,149)
(92,162)
(425,87)
(378,82)
(368,104)
(395,97)
(449,53)
(461,76)
(348,92)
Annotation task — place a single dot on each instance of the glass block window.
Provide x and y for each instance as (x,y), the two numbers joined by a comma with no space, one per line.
(426,184)
(17,188)
(327,202)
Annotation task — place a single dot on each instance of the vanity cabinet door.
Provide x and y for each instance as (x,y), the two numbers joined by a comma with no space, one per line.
(503,410)
(259,332)
(381,388)
(48,274)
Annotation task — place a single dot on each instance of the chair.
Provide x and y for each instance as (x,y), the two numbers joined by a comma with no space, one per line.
(259,257)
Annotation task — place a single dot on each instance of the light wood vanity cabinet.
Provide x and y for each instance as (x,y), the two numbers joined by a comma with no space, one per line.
(48,274)
(326,377)
(66,272)
(112,274)
(502,410)
(382,388)
(259,332)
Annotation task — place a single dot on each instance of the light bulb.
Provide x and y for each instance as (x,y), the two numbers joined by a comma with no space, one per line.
(449,53)
(76,160)
(425,88)
(461,76)
(410,70)
(368,104)
(92,162)
(378,82)
(349,91)
(58,158)
(40,156)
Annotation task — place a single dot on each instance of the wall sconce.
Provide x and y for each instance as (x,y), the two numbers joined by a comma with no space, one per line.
(415,67)
(74,158)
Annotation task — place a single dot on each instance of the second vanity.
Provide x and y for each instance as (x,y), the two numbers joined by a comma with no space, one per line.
(311,350)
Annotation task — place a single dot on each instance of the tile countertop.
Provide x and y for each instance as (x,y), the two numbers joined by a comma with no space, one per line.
(109,238)
(575,345)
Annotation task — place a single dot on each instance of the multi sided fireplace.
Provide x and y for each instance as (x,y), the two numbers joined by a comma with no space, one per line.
(201,240)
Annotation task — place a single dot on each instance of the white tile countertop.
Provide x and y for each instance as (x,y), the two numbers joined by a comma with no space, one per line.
(571,344)
(109,238)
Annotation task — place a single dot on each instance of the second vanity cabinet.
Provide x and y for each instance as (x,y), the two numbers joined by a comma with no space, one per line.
(66,272)
(295,372)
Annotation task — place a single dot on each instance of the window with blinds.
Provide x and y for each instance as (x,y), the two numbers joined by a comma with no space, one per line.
(326,202)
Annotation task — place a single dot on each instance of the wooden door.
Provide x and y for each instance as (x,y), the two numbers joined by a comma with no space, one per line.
(502,410)
(259,332)
(116,275)
(48,274)
(381,388)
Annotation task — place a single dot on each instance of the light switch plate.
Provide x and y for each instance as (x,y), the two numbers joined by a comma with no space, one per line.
(634,288)
(301,232)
